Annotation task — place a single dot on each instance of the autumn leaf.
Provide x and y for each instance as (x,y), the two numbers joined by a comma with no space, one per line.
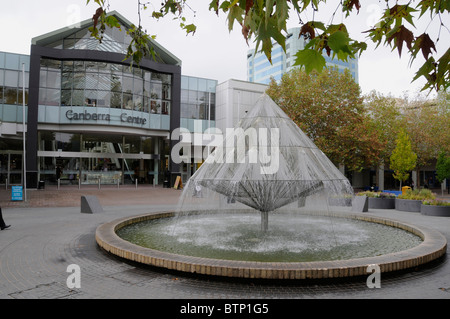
(245,32)
(308,31)
(97,15)
(349,4)
(401,34)
(248,6)
(425,44)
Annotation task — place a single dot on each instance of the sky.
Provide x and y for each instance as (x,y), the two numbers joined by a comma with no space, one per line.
(213,52)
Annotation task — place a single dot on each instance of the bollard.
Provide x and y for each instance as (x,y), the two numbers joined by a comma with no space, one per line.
(136,182)
(6,183)
(118,183)
(79,183)
(99,179)
(59,183)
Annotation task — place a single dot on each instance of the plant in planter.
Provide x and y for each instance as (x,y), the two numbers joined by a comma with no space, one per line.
(422,194)
(380,200)
(435,207)
(411,200)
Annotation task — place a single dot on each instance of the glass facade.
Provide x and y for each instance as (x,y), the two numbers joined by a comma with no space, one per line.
(97,158)
(114,40)
(260,70)
(100,84)
(11,112)
(198,103)
(11,85)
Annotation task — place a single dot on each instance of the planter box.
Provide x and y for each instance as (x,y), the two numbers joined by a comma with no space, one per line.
(340,201)
(408,205)
(381,203)
(431,210)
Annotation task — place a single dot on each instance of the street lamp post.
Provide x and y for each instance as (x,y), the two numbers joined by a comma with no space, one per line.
(24,175)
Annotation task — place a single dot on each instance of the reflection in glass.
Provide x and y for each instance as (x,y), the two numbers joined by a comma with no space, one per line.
(127,101)
(116,100)
(11,78)
(90,83)
(10,95)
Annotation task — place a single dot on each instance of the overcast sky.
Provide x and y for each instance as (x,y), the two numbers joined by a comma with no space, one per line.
(213,52)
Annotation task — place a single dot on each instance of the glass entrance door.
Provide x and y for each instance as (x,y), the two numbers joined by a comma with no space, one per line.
(11,167)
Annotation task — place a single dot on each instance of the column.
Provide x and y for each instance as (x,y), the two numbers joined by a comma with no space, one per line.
(381,177)
(156,162)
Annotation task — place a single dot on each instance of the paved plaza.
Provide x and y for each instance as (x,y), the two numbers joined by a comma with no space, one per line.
(49,233)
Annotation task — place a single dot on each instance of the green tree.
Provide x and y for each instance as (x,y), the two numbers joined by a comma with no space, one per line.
(403,159)
(427,125)
(443,168)
(387,118)
(328,107)
(266,23)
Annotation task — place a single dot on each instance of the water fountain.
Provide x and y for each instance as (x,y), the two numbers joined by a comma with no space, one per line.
(268,166)
(267,171)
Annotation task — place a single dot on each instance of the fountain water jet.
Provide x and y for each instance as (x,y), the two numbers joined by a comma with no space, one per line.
(267,172)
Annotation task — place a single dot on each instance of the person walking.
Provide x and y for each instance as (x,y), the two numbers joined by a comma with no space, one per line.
(2,222)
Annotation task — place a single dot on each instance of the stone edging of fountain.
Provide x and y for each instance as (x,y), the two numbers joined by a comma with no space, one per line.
(434,246)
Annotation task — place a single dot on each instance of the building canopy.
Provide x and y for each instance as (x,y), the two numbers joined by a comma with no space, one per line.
(116,40)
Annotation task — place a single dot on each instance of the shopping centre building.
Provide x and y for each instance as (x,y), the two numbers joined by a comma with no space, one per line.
(90,117)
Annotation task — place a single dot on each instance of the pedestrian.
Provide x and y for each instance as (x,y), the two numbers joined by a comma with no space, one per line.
(58,172)
(2,222)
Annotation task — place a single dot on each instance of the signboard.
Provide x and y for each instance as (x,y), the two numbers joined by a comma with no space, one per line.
(16,193)
(178,183)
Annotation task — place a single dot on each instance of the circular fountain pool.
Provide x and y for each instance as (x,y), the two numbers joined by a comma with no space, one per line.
(291,238)
(339,232)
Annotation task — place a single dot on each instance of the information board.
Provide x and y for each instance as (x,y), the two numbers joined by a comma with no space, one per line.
(16,193)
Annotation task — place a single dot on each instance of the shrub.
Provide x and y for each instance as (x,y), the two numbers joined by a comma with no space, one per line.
(387,195)
(416,194)
(376,194)
(435,202)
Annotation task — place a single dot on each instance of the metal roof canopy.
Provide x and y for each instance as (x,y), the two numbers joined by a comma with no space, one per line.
(62,33)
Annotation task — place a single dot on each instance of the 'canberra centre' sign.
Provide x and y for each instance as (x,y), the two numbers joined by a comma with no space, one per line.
(86,116)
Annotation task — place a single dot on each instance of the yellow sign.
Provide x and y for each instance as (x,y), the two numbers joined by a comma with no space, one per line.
(178,183)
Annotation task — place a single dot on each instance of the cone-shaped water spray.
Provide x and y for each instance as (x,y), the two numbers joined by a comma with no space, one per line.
(267,162)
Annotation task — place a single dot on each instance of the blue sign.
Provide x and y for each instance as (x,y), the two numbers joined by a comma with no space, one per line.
(16,193)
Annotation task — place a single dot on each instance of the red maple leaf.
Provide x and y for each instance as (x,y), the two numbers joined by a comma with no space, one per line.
(97,15)
(308,31)
(425,44)
(248,6)
(402,35)
(354,3)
